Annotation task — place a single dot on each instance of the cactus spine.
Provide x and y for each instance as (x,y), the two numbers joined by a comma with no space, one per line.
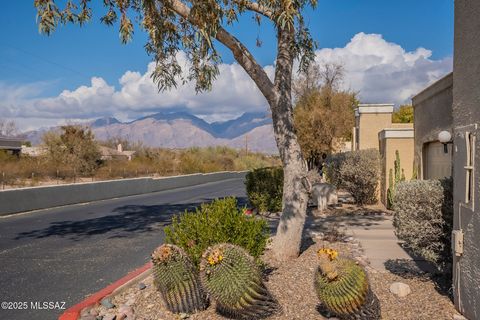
(233,280)
(343,288)
(177,279)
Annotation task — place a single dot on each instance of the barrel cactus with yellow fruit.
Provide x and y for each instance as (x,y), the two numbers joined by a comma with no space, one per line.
(343,287)
(232,278)
(177,279)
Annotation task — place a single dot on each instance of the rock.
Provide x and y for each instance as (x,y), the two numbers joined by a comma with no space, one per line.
(85,311)
(348,239)
(459,317)
(184,316)
(88,317)
(150,306)
(142,286)
(400,289)
(107,303)
(94,312)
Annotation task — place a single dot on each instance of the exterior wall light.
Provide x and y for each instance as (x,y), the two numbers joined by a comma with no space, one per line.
(445,138)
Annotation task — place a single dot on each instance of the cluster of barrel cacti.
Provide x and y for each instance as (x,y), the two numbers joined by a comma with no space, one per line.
(228,274)
(343,287)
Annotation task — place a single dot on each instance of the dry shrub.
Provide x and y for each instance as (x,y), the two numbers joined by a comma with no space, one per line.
(424,218)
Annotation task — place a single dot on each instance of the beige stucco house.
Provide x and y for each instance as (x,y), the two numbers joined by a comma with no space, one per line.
(374,130)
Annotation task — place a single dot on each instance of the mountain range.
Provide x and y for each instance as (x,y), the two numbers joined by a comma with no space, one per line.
(184,130)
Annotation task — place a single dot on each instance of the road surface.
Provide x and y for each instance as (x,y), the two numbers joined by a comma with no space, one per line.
(64,254)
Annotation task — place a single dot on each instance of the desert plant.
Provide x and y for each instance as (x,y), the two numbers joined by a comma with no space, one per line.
(177,279)
(217,222)
(358,172)
(399,177)
(424,218)
(343,287)
(265,188)
(232,278)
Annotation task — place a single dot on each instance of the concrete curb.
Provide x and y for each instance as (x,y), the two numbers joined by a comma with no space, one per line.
(73,313)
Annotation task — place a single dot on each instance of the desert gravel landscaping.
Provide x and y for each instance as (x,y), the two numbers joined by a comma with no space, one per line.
(292,284)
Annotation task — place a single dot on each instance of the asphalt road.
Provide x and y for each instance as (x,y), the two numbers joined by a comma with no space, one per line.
(64,254)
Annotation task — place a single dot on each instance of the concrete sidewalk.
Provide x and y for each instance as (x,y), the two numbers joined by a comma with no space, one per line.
(376,236)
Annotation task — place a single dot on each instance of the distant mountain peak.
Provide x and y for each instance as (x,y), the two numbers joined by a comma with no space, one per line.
(105,121)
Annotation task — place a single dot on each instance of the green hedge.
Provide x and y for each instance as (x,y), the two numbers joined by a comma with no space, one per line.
(217,222)
(265,188)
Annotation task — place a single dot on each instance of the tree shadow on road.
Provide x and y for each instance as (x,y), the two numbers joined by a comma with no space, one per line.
(121,222)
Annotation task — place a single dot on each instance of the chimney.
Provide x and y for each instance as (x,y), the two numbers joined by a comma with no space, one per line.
(120,148)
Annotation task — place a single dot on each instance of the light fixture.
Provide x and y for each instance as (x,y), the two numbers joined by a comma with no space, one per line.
(445,137)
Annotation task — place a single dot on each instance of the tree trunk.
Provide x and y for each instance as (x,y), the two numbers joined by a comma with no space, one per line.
(288,239)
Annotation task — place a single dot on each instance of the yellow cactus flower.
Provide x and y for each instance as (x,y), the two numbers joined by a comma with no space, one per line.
(331,253)
(215,258)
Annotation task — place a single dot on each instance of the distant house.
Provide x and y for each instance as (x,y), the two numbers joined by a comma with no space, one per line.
(11,145)
(116,154)
(33,151)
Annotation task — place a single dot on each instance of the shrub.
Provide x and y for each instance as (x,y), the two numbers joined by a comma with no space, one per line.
(217,222)
(424,218)
(265,188)
(358,172)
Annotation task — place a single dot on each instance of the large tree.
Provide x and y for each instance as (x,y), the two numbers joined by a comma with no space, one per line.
(197,27)
(324,113)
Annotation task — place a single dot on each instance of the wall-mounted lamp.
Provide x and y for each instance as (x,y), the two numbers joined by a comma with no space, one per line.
(445,137)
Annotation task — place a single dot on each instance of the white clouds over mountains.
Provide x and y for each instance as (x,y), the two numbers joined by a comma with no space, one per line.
(380,71)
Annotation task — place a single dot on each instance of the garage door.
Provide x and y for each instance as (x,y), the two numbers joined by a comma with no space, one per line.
(436,163)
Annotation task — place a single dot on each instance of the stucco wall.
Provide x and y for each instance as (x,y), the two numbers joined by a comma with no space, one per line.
(432,114)
(388,149)
(370,124)
(466,111)
(27,199)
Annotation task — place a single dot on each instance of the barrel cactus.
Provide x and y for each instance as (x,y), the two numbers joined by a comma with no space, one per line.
(343,288)
(231,277)
(178,280)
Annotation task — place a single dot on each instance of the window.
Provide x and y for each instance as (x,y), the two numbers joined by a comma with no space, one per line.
(470,148)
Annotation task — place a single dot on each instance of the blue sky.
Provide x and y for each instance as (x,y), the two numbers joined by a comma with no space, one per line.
(37,66)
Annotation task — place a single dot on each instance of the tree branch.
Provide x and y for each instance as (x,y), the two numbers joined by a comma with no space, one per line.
(240,52)
(256,7)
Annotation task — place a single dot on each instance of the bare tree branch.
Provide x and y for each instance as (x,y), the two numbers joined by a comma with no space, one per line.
(240,52)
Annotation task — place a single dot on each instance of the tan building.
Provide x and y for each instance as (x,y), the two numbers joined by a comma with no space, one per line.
(116,154)
(433,114)
(370,119)
(374,130)
(399,137)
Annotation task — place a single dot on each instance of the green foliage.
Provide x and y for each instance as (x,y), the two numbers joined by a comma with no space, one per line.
(217,222)
(232,278)
(424,218)
(189,26)
(177,279)
(343,288)
(358,172)
(404,114)
(265,188)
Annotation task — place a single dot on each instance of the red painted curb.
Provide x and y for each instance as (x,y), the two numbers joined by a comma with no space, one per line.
(73,313)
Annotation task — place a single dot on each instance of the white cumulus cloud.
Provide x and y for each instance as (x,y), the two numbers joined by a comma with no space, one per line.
(380,71)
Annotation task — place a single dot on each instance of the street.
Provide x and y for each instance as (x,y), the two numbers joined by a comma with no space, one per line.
(64,254)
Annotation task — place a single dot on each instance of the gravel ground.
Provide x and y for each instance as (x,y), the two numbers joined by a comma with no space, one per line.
(292,284)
